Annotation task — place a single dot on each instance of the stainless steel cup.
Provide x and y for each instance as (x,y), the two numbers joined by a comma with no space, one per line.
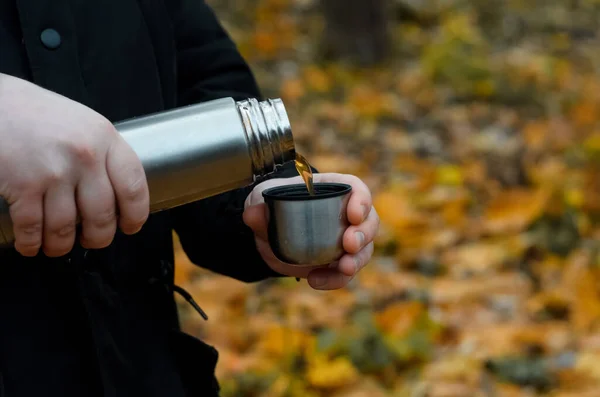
(307,230)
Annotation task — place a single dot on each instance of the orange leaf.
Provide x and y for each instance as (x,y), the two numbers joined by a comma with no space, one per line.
(484,256)
(535,134)
(265,43)
(395,209)
(584,113)
(398,319)
(513,210)
(292,90)
(369,102)
(579,286)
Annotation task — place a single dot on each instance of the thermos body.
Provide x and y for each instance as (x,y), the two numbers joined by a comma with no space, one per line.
(201,150)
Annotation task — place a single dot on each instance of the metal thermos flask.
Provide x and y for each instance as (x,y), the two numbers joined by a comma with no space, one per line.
(201,150)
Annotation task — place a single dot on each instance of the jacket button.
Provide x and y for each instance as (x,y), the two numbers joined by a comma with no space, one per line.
(50,39)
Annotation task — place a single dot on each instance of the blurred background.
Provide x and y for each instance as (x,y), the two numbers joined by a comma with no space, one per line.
(476,125)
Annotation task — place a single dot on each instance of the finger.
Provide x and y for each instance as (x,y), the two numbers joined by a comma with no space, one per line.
(352,264)
(130,186)
(255,197)
(96,204)
(358,237)
(60,213)
(360,202)
(27,218)
(359,206)
(267,254)
(256,218)
(328,279)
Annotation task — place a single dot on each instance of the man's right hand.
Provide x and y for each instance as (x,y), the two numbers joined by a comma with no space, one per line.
(60,160)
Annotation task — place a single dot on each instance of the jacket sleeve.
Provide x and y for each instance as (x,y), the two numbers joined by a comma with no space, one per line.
(209,66)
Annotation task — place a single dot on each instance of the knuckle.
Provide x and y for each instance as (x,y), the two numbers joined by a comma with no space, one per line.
(54,176)
(31,230)
(26,242)
(106,127)
(29,244)
(27,226)
(65,229)
(28,186)
(136,189)
(104,218)
(85,153)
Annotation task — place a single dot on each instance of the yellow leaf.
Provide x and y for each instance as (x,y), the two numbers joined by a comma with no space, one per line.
(592,143)
(561,41)
(485,88)
(574,197)
(279,341)
(589,363)
(317,79)
(462,26)
(279,387)
(326,373)
(564,74)
(449,175)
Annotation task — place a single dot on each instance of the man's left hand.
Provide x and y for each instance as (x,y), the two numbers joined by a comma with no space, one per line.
(357,240)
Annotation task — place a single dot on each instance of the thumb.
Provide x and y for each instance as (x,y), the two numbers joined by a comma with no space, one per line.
(257,219)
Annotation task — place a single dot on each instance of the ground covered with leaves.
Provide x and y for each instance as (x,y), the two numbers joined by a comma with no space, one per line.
(481,142)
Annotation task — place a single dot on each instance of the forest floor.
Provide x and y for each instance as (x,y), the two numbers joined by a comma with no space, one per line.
(481,142)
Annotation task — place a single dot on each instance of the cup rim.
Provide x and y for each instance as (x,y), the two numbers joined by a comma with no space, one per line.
(334,190)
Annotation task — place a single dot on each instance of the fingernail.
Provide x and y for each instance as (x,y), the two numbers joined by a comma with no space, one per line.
(356,263)
(360,237)
(366,211)
(320,281)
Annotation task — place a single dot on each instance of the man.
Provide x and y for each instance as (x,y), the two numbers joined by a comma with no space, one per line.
(90,312)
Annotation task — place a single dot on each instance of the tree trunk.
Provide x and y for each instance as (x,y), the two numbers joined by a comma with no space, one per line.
(356,30)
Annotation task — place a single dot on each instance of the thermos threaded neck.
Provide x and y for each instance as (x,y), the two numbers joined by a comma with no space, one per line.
(269,134)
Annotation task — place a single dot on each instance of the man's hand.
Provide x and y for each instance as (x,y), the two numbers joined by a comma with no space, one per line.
(357,241)
(60,160)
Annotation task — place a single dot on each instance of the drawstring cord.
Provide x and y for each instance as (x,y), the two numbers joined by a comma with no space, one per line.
(186,295)
(166,268)
(189,298)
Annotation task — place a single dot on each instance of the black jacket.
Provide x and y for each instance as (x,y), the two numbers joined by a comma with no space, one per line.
(104,322)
